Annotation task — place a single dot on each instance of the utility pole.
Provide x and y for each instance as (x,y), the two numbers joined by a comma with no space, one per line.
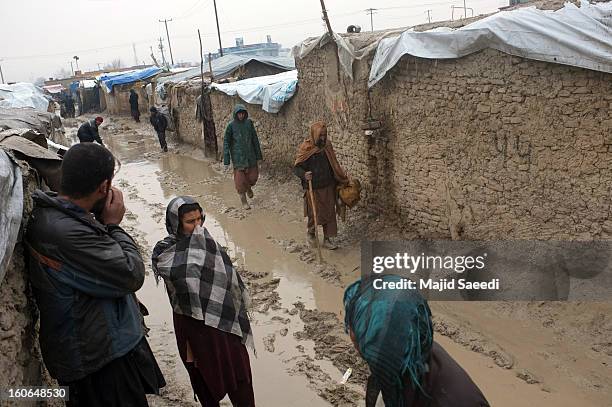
(168,36)
(71,68)
(1,74)
(218,31)
(152,57)
(464,10)
(429,16)
(371,11)
(135,57)
(161,48)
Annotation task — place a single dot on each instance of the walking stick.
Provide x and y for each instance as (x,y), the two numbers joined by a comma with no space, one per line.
(314,213)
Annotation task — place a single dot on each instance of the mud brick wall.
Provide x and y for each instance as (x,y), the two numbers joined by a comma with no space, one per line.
(317,98)
(492,145)
(118,102)
(20,359)
(485,146)
(182,104)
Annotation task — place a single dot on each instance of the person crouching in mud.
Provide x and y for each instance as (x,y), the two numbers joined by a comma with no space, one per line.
(393,332)
(209,303)
(241,145)
(316,161)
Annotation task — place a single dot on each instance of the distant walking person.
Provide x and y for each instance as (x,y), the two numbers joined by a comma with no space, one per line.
(134,106)
(69,103)
(159,122)
(316,162)
(241,145)
(88,132)
(209,303)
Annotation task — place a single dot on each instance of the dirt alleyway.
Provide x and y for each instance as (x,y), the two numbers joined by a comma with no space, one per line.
(297,319)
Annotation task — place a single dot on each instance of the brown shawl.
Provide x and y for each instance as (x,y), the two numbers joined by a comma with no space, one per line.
(309,147)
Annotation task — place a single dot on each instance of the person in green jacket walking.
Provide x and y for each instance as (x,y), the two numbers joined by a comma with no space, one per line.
(241,145)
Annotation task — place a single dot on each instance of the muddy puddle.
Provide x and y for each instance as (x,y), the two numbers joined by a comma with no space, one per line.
(302,350)
(277,280)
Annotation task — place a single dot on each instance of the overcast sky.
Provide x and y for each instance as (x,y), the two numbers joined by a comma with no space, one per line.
(38,38)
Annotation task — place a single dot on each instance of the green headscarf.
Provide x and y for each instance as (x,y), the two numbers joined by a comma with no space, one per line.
(394,334)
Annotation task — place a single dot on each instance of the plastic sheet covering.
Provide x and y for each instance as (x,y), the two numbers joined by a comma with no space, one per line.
(270,91)
(57,148)
(54,89)
(11,196)
(572,36)
(110,80)
(88,83)
(23,95)
(28,142)
(29,118)
(347,51)
(223,67)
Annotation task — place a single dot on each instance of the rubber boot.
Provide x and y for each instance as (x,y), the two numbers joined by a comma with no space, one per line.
(245,203)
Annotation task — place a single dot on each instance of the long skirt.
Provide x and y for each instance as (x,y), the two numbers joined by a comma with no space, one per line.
(245,178)
(217,362)
(325,199)
(135,114)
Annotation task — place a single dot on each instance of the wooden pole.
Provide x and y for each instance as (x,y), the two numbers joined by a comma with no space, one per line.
(326,18)
(210,67)
(202,87)
(314,213)
(218,31)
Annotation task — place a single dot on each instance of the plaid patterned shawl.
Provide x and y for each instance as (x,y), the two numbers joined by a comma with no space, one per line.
(200,279)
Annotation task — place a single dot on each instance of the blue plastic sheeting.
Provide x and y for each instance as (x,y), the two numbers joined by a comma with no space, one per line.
(270,91)
(110,80)
(223,67)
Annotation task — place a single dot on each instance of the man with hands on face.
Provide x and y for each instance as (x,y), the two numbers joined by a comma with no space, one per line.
(84,270)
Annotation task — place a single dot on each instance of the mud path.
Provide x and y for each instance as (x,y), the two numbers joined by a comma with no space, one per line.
(302,350)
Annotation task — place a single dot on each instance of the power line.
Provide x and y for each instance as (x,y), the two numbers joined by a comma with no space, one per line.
(371,12)
(247,29)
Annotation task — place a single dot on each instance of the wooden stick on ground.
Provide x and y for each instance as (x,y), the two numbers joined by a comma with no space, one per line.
(314,213)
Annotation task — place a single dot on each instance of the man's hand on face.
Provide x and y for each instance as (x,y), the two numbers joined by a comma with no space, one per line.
(308,176)
(114,208)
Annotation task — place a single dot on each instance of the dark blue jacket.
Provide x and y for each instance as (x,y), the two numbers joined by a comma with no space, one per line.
(84,276)
(88,132)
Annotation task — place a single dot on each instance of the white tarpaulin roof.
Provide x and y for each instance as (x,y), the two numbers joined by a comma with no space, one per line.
(222,67)
(88,83)
(23,95)
(572,36)
(11,196)
(270,91)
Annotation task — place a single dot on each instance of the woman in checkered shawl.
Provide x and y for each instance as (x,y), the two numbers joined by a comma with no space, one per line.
(209,303)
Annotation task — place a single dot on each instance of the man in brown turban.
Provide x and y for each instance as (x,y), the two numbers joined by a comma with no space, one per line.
(316,161)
